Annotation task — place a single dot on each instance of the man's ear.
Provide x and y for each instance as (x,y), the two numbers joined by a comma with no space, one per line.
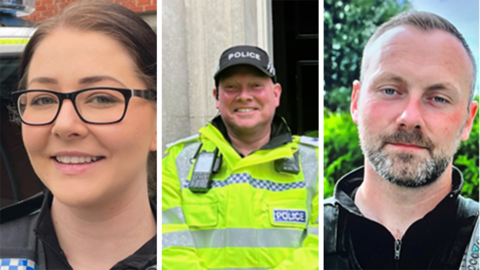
(472,112)
(354,103)
(277,92)
(215,96)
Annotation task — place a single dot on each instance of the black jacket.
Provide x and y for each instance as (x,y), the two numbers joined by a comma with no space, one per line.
(27,237)
(352,241)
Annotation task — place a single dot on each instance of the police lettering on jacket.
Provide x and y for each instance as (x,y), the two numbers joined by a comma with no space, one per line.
(297,216)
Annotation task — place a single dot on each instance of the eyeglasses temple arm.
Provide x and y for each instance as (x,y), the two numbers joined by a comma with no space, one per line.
(145,94)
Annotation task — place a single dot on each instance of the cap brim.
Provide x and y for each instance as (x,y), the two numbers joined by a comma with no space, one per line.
(217,74)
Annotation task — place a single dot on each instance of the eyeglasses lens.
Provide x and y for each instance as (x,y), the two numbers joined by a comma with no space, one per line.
(96,106)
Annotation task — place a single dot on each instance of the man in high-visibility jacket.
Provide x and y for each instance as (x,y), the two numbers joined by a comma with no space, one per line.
(243,193)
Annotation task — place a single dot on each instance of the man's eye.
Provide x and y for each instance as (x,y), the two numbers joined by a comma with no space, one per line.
(440,100)
(389,91)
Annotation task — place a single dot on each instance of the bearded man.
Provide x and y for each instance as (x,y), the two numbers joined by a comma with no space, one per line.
(413,106)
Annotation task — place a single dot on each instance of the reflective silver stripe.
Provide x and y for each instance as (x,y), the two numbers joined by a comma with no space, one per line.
(173,216)
(254,268)
(177,239)
(183,161)
(313,230)
(309,140)
(184,140)
(309,162)
(219,238)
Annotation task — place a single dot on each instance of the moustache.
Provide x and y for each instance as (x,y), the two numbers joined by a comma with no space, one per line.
(414,137)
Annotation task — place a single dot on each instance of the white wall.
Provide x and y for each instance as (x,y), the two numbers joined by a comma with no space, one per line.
(195,33)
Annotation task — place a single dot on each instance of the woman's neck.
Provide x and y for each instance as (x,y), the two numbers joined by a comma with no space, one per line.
(100,237)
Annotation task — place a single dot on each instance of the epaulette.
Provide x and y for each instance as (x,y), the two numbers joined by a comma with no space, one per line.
(329,201)
(22,208)
(309,141)
(330,220)
(184,140)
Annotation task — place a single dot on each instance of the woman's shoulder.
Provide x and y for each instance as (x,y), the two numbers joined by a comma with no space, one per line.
(19,218)
(18,240)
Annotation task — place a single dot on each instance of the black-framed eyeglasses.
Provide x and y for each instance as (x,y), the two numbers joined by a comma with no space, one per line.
(96,105)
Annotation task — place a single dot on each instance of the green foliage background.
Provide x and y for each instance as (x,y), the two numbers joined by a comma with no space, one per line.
(347,26)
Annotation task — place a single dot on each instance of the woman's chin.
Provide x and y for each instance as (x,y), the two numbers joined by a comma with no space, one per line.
(78,198)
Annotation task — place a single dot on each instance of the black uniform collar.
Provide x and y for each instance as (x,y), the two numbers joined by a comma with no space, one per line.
(371,246)
(45,231)
(280,133)
(348,185)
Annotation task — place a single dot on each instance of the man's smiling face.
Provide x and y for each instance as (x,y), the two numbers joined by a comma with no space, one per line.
(247,99)
(412,108)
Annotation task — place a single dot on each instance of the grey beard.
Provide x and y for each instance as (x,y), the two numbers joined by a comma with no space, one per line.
(406,169)
(411,173)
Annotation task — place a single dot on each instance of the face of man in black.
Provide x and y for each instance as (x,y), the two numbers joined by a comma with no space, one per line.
(411,107)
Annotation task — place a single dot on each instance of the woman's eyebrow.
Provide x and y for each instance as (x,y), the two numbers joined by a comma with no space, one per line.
(86,80)
(44,80)
(95,79)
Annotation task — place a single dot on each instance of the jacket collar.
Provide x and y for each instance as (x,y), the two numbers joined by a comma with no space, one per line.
(280,132)
(348,185)
(45,231)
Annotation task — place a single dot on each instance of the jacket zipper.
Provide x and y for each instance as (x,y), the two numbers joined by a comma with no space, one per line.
(398,247)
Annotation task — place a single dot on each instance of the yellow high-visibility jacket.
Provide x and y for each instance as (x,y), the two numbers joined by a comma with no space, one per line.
(253,217)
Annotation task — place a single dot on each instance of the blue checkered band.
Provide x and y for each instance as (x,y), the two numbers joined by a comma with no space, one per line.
(245,178)
(17,264)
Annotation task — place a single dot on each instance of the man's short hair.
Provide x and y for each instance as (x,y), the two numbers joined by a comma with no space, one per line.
(424,21)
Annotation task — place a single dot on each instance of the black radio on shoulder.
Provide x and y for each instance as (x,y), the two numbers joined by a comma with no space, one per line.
(288,165)
(206,164)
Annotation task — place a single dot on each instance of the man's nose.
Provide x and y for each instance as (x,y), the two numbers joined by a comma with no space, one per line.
(411,116)
(244,93)
(68,124)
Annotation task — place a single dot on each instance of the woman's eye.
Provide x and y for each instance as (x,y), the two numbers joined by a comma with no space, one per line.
(103,99)
(40,101)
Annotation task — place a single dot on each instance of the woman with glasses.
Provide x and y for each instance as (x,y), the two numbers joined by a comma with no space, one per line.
(87,105)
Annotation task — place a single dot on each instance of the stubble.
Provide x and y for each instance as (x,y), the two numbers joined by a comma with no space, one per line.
(407,169)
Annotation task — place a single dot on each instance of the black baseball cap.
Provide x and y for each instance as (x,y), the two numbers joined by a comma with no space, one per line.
(245,55)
